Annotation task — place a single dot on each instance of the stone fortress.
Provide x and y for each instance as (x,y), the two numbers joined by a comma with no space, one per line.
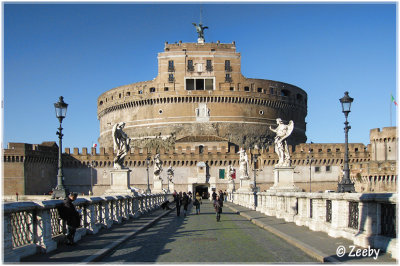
(197,113)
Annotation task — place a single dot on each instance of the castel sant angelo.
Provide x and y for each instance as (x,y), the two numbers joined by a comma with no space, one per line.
(197,113)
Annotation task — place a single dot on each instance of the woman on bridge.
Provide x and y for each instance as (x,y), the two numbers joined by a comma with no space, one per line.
(218,207)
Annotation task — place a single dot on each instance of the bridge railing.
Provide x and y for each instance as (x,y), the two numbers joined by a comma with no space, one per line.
(36,227)
(365,219)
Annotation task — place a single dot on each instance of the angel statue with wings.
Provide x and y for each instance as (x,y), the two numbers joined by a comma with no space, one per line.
(121,144)
(200,30)
(157,166)
(281,148)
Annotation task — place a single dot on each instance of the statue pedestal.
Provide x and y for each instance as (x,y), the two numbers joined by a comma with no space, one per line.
(120,183)
(245,185)
(157,185)
(200,40)
(283,180)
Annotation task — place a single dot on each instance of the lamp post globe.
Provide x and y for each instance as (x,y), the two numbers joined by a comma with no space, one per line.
(61,111)
(346,185)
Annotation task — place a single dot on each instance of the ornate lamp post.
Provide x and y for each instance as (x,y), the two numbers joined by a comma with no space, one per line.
(61,111)
(255,155)
(148,191)
(346,185)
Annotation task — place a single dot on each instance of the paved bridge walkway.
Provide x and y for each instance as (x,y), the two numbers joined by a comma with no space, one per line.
(163,237)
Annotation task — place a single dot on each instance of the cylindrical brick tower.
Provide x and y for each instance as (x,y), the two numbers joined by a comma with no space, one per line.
(200,91)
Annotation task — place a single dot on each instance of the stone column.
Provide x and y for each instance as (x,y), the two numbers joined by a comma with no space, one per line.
(318,219)
(301,218)
(45,239)
(340,217)
(7,240)
(108,212)
(93,228)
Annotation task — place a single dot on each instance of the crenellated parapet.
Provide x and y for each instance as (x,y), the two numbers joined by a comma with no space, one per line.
(221,155)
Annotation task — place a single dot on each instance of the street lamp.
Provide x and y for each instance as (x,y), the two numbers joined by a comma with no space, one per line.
(255,155)
(346,185)
(148,191)
(61,111)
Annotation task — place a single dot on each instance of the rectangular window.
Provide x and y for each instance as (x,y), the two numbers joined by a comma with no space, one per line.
(209,65)
(190,66)
(199,84)
(166,89)
(228,78)
(317,169)
(231,88)
(140,92)
(246,88)
(171,65)
(209,84)
(328,168)
(228,65)
(259,89)
(170,77)
(189,84)
(221,173)
(271,90)
(152,89)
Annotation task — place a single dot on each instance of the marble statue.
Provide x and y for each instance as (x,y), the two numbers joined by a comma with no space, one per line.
(281,148)
(170,173)
(157,166)
(200,30)
(243,164)
(121,144)
(231,172)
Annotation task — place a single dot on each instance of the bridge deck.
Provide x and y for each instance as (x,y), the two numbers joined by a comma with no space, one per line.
(199,238)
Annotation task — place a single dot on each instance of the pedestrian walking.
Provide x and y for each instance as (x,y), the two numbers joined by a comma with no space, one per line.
(185,203)
(214,195)
(218,207)
(178,203)
(72,217)
(197,202)
(225,196)
(221,195)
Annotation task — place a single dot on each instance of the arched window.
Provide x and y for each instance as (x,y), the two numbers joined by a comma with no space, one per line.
(201,149)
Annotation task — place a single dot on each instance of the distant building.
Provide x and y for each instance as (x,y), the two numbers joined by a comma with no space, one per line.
(197,113)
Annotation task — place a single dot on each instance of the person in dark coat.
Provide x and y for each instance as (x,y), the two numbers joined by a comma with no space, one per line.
(185,203)
(221,195)
(72,217)
(214,195)
(218,207)
(178,202)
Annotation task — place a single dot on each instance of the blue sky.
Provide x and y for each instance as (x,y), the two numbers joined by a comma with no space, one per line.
(82,50)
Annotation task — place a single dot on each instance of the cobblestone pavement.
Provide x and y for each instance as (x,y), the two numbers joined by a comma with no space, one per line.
(199,238)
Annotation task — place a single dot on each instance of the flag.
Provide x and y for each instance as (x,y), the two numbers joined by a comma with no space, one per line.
(94,145)
(393,100)
(234,174)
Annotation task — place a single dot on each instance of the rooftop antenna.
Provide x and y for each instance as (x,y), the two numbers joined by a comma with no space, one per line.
(201,13)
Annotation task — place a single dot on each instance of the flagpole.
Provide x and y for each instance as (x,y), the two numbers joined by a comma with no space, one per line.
(391,110)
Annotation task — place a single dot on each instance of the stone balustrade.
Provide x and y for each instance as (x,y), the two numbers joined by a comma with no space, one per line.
(35,226)
(365,219)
